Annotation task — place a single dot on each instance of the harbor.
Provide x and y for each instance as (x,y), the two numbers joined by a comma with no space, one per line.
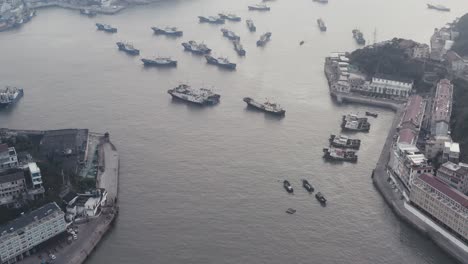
(233,159)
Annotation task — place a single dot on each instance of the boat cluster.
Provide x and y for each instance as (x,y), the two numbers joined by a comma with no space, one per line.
(308,187)
(343,148)
(193,46)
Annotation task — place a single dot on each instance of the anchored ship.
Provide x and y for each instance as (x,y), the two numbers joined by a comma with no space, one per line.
(371,114)
(169,31)
(221,62)
(160,62)
(267,107)
(342,141)
(264,39)
(211,20)
(229,34)
(106,28)
(259,7)
(359,37)
(438,7)
(354,123)
(251,25)
(287,186)
(319,196)
(201,96)
(88,12)
(337,154)
(9,96)
(321,1)
(307,186)
(238,48)
(230,17)
(128,48)
(321,25)
(196,48)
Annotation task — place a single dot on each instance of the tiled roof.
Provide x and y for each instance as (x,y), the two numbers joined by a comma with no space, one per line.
(414,110)
(3,147)
(11,176)
(406,135)
(445,189)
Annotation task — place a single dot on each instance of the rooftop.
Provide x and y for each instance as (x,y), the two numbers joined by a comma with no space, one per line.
(392,78)
(11,176)
(3,147)
(29,218)
(406,135)
(33,168)
(414,112)
(443,188)
(443,101)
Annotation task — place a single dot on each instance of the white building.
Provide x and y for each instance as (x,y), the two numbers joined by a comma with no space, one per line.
(445,204)
(86,205)
(451,152)
(30,230)
(390,87)
(421,51)
(407,162)
(8,157)
(37,190)
(454,175)
(435,145)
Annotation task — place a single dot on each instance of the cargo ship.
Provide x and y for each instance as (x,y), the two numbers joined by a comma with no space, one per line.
(239,48)
(321,25)
(371,114)
(160,62)
(287,186)
(438,7)
(259,7)
(251,25)
(321,1)
(337,154)
(169,31)
(354,123)
(196,48)
(221,62)
(128,48)
(201,96)
(267,107)
(9,96)
(106,28)
(342,141)
(264,39)
(359,37)
(211,20)
(229,34)
(230,17)
(307,186)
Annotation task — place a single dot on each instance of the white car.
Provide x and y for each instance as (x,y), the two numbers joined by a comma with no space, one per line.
(75,237)
(52,256)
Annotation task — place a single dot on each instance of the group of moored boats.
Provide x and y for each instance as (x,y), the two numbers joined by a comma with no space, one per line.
(343,148)
(309,188)
(204,96)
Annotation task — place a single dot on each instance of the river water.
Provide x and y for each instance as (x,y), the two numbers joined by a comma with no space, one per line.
(204,185)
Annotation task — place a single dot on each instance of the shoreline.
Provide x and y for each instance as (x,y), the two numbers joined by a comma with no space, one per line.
(379,174)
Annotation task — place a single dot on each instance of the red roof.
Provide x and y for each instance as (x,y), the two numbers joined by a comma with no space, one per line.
(414,110)
(406,135)
(3,147)
(445,189)
(443,101)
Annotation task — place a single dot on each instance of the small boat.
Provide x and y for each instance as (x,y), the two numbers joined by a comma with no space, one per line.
(438,7)
(352,122)
(88,12)
(230,34)
(267,107)
(287,186)
(211,20)
(342,141)
(321,1)
(239,48)
(221,62)
(197,48)
(337,154)
(259,7)
(169,31)
(372,114)
(321,25)
(160,62)
(264,39)
(128,48)
(291,211)
(301,43)
(307,186)
(106,28)
(230,17)
(251,25)
(319,196)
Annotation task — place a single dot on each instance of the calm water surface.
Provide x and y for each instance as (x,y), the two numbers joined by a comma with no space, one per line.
(204,185)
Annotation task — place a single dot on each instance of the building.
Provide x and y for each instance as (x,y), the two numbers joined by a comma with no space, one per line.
(35,190)
(456,63)
(451,152)
(407,162)
(410,124)
(390,86)
(442,109)
(435,146)
(86,205)
(421,51)
(446,205)
(24,233)
(454,175)
(8,157)
(12,187)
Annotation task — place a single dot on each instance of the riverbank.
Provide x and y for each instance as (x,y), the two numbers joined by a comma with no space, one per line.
(107,10)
